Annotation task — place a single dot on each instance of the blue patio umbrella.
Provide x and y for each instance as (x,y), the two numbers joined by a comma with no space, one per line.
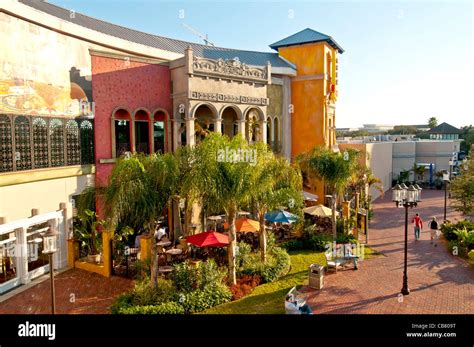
(281,216)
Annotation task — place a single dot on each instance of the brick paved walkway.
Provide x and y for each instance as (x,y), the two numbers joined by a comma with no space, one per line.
(439,282)
(92,293)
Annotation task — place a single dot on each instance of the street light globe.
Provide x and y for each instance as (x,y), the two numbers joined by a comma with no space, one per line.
(418,193)
(451,163)
(397,193)
(411,194)
(445,176)
(50,241)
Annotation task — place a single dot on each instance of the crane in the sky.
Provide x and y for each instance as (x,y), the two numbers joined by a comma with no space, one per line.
(202,36)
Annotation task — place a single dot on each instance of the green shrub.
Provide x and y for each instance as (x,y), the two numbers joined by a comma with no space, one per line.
(144,295)
(122,301)
(448,231)
(457,248)
(187,278)
(278,263)
(346,238)
(293,245)
(243,254)
(449,228)
(470,255)
(202,299)
(164,308)
(317,242)
(465,237)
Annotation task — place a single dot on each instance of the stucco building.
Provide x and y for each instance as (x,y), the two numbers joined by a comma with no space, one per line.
(77,92)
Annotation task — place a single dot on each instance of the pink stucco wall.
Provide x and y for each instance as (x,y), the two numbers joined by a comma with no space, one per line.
(127,84)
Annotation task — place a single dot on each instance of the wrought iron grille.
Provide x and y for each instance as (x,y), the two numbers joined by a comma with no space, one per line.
(40,143)
(73,143)
(22,143)
(33,142)
(6,146)
(87,142)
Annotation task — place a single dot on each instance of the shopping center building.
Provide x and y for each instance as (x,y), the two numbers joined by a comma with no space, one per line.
(77,92)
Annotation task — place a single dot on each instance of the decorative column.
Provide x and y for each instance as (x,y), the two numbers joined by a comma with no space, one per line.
(218,126)
(21,255)
(176,134)
(241,128)
(190,132)
(263,126)
(54,224)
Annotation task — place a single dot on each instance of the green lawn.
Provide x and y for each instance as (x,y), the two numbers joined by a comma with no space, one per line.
(269,298)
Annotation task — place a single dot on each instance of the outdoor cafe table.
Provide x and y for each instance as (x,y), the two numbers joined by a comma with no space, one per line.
(172,252)
(165,269)
(162,244)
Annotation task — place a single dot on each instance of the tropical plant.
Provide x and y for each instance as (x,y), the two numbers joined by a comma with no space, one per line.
(334,168)
(275,183)
(227,180)
(139,189)
(404,176)
(418,172)
(86,231)
(462,189)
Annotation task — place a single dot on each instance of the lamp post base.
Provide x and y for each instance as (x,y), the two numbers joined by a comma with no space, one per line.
(405,291)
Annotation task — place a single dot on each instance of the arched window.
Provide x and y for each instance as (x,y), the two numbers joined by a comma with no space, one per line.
(56,135)
(73,152)
(22,143)
(6,148)
(269,131)
(142,132)
(40,143)
(276,134)
(87,142)
(121,132)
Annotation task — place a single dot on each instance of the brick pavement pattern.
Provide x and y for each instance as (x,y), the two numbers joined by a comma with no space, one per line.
(439,282)
(92,294)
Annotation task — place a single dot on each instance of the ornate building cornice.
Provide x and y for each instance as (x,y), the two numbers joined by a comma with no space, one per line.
(229,69)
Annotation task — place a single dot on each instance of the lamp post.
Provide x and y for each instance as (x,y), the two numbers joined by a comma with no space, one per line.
(49,248)
(407,198)
(446,177)
(451,163)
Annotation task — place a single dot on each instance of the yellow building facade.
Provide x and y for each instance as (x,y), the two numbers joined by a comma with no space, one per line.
(313,92)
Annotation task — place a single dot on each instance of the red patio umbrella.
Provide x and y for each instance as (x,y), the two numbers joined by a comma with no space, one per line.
(209,239)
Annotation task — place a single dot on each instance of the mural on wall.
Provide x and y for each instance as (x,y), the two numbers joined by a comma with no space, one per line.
(56,81)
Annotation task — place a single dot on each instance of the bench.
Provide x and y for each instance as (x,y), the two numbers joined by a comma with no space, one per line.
(291,308)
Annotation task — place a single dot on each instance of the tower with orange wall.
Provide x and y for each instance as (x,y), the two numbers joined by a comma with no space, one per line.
(313,91)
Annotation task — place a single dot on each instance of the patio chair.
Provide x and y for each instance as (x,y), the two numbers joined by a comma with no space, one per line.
(334,263)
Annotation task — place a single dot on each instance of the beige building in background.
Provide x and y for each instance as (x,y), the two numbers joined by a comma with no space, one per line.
(387,159)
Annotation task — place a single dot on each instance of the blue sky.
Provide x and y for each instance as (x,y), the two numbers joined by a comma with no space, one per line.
(404,61)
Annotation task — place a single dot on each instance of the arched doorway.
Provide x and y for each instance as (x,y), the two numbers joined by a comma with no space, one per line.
(269,130)
(253,125)
(229,126)
(276,135)
(204,121)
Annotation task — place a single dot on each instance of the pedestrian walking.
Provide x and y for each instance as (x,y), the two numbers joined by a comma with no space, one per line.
(418,226)
(434,231)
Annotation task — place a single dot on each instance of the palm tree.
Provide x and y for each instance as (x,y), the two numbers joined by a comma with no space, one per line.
(276,183)
(140,187)
(226,180)
(418,172)
(334,168)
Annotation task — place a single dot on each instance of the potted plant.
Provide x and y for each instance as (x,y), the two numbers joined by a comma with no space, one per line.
(86,232)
